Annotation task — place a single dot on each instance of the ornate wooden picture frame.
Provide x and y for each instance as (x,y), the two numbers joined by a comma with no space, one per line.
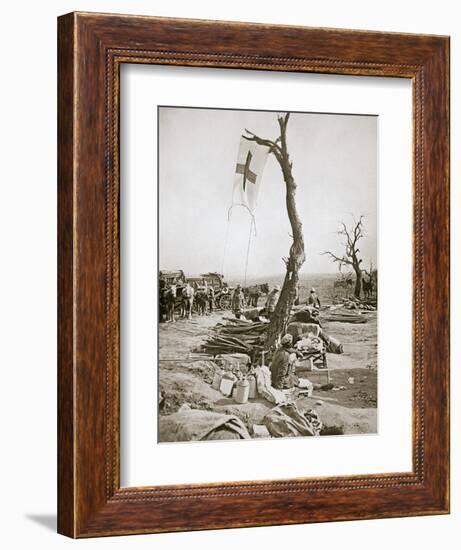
(92,48)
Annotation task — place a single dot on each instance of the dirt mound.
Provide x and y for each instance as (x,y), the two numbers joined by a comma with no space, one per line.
(203,369)
(179,385)
(338,419)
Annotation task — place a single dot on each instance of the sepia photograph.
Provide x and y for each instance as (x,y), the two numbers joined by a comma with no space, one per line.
(267,274)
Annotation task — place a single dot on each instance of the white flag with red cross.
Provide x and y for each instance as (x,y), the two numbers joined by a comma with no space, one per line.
(251,160)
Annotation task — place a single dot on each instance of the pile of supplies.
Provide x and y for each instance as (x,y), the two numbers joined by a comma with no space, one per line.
(235,377)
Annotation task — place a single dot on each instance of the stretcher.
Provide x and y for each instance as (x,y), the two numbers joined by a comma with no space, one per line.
(312,349)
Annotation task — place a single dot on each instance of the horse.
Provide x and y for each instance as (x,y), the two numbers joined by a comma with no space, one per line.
(201,301)
(162,310)
(368,287)
(168,298)
(254,292)
(187,301)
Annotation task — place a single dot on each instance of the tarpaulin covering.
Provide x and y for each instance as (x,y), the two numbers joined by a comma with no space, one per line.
(287,420)
(195,425)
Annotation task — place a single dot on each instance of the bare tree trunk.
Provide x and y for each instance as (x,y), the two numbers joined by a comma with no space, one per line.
(296,256)
(296,259)
(358,281)
(351,257)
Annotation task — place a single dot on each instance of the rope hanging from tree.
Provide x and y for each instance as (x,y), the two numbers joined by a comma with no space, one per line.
(226,239)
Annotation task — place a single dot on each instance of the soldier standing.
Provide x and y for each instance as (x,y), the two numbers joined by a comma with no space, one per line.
(272,299)
(211,298)
(313,299)
(238,301)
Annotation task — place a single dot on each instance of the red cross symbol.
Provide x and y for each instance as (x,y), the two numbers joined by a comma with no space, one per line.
(245,170)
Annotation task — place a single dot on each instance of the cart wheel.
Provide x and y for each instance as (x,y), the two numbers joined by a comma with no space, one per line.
(225,301)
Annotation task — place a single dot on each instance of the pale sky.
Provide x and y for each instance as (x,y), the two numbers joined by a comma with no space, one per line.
(335,167)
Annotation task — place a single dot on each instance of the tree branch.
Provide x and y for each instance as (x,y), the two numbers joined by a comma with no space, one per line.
(272,145)
(335,258)
(296,256)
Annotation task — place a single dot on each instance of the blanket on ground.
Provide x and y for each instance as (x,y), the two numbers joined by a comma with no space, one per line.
(195,425)
(287,420)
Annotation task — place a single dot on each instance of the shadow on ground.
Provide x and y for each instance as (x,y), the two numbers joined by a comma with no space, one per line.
(48,521)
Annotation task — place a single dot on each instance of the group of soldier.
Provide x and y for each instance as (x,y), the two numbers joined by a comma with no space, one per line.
(205,299)
(201,298)
(238,303)
(282,366)
(283,362)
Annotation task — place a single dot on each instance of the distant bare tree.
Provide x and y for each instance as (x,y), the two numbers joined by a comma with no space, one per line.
(351,256)
(296,256)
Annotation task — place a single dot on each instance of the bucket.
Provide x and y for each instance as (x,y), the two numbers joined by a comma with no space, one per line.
(242,391)
(216,384)
(253,390)
(227,384)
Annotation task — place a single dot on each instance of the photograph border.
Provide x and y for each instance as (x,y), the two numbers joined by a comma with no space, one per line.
(159,185)
(91,48)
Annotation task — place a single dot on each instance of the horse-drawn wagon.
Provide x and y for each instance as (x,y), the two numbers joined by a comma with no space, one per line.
(174,284)
(222,291)
(168,278)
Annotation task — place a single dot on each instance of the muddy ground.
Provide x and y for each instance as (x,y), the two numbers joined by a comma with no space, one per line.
(350,406)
